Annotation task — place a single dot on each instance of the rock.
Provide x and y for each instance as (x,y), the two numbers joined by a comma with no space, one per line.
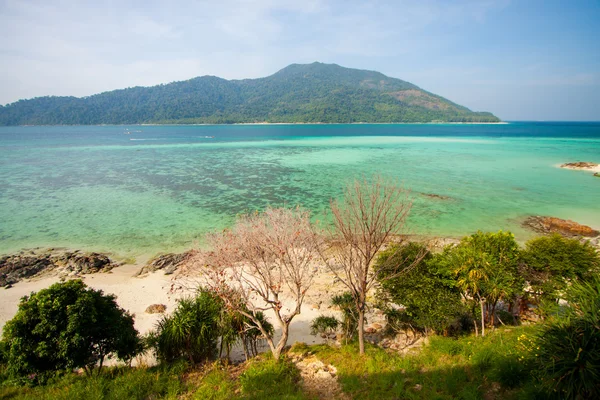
(166,262)
(77,263)
(28,264)
(315,306)
(597,174)
(436,196)
(156,309)
(579,165)
(417,387)
(377,326)
(17,267)
(567,228)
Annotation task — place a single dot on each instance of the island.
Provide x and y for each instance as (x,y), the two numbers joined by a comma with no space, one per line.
(299,93)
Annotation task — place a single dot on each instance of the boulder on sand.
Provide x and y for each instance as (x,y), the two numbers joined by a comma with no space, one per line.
(165,262)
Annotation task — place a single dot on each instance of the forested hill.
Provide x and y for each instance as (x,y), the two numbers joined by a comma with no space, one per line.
(298,93)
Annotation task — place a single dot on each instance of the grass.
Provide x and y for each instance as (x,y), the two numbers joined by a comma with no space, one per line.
(113,383)
(262,378)
(495,367)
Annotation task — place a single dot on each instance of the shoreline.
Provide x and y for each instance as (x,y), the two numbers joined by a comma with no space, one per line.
(136,293)
(288,123)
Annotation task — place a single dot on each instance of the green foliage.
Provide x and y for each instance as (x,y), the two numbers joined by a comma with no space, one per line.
(298,93)
(191,332)
(553,261)
(486,266)
(324,325)
(427,292)
(68,326)
(568,347)
(345,302)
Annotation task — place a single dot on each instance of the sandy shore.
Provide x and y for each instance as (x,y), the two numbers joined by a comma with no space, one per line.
(135,294)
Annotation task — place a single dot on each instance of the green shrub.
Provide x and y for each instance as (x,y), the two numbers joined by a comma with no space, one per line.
(191,332)
(569,345)
(68,326)
(324,325)
(345,302)
(553,261)
(427,292)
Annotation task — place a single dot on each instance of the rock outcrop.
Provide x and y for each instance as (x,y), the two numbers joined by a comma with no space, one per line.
(165,262)
(436,196)
(546,225)
(317,378)
(16,267)
(579,165)
(76,263)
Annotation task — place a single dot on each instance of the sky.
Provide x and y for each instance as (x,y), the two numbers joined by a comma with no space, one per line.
(520,59)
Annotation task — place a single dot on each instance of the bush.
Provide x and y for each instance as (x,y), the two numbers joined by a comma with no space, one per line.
(191,332)
(345,302)
(68,326)
(552,261)
(324,325)
(569,345)
(427,292)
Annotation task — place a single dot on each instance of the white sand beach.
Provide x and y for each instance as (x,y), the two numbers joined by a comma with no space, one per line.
(135,294)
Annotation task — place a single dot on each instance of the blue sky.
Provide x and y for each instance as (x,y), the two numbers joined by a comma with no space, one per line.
(522,60)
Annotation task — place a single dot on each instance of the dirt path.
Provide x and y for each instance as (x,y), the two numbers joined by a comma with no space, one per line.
(318,379)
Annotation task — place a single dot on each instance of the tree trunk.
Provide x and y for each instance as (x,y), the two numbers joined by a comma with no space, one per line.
(482,318)
(476,328)
(361,331)
(282,342)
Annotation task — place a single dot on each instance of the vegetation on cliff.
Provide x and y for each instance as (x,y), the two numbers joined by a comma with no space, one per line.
(310,93)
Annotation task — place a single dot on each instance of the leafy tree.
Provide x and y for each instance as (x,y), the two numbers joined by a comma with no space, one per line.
(568,346)
(551,262)
(68,326)
(427,292)
(486,268)
(191,332)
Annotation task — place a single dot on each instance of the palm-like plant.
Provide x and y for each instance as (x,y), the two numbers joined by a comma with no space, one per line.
(191,332)
(568,352)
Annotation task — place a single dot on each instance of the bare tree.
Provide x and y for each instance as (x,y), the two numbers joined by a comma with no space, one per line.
(264,259)
(368,216)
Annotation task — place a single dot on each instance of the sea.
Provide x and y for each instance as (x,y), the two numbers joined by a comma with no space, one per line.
(141,190)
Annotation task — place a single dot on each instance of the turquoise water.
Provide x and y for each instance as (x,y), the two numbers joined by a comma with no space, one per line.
(142,189)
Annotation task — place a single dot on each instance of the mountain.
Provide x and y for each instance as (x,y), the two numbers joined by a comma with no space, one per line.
(314,92)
